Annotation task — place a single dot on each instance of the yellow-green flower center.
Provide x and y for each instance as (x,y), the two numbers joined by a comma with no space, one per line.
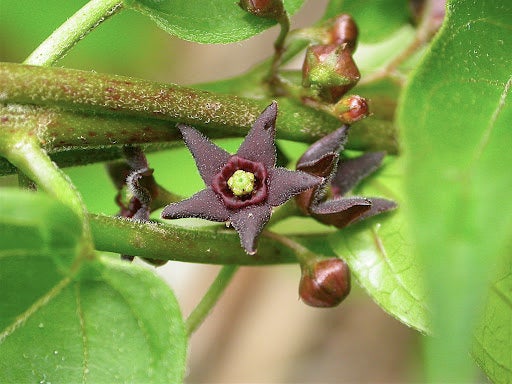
(241,182)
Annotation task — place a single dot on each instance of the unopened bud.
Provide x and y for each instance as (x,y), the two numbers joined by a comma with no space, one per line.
(324,283)
(268,9)
(344,31)
(351,109)
(331,69)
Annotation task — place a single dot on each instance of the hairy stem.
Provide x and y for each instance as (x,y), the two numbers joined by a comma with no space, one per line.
(211,298)
(92,95)
(72,31)
(211,245)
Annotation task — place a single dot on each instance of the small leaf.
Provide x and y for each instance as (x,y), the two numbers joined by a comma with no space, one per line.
(380,255)
(222,21)
(118,323)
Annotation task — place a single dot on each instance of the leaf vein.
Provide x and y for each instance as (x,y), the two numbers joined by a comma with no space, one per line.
(486,135)
(41,302)
(85,344)
(381,250)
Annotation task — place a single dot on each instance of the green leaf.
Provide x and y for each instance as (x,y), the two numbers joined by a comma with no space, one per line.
(491,348)
(455,117)
(380,255)
(114,322)
(376,19)
(118,323)
(202,21)
(34,223)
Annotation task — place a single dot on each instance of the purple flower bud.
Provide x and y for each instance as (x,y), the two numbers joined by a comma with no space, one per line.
(322,159)
(324,283)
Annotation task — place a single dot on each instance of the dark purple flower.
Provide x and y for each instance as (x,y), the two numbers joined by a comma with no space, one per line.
(322,159)
(241,189)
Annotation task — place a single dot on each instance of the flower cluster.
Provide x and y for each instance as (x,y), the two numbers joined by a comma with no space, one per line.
(241,189)
(322,159)
(326,282)
(329,70)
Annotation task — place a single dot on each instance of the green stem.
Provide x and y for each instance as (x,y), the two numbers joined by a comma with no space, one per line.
(23,151)
(279,48)
(303,255)
(211,297)
(72,31)
(169,241)
(106,97)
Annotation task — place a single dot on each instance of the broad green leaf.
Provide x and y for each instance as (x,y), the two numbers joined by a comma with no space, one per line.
(380,255)
(203,21)
(491,347)
(114,322)
(118,323)
(376,19)
(455,116)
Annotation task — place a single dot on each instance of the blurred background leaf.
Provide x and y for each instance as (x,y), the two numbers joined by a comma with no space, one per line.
(120,45)
(455,115)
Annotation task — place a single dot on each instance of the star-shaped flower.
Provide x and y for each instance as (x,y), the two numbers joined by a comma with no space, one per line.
(322,159)
(241,189)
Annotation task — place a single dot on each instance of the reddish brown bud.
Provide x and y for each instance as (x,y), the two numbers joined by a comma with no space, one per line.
(331,69)
(351,109)
(324,283)
(344,31)
(269,9)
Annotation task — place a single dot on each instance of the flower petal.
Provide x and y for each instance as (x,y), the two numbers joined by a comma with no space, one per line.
(379,205)
(350,172)
(204,204)
(249,223)
(259,145)
(332,143)
(323,166)
(209,157)
(284,184)
(341,212)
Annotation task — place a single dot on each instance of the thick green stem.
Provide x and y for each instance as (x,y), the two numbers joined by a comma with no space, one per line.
(211,297)
(72,31)
(214,245)
(59,130)
(109,95)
